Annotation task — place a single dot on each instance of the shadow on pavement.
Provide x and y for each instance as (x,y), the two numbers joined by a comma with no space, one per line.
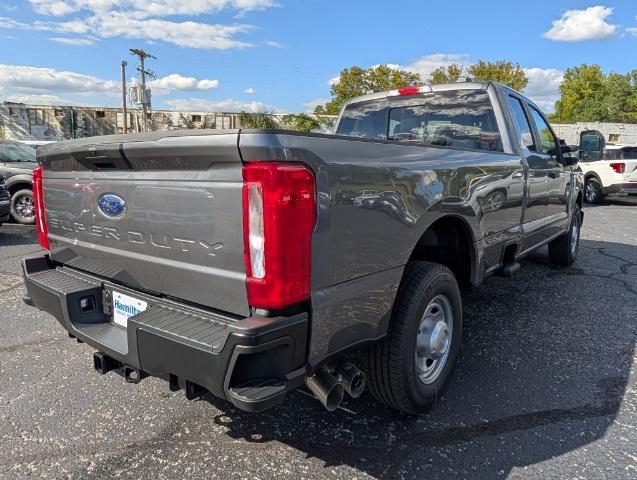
(545,363)
(619,200)
(11,234)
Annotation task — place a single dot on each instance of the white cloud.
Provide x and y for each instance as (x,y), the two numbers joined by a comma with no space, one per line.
(79,41)
(174,81)
(632,31)
(423,65)
(34,81)
(427,64)
(274,44)
(310,105)
(148,8)
(250,91)
(228,105)
(55,8)
(40,99)
(579,25)
(144,20)
(544,86)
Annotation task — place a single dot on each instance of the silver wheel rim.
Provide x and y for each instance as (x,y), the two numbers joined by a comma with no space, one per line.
(574,235)
(591,192)
(24,207)
(493,202)
(433,342)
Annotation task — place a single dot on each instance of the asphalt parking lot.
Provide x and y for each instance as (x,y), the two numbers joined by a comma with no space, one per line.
(546,387)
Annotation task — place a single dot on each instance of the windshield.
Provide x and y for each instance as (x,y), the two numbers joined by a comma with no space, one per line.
(462,119)
(16,152)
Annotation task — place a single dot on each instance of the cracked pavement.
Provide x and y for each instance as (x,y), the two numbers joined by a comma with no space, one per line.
(545,387)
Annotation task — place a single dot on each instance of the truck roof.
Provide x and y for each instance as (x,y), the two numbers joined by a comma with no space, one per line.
(441,87)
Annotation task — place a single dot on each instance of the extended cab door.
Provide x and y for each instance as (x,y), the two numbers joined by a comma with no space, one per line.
(557,175)
(537,190)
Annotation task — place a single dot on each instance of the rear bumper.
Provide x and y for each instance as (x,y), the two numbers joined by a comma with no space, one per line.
(253,362)
(630,187)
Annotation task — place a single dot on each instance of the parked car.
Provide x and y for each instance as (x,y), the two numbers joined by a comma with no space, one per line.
(360,200)
(17,162)
(608,168)
(4,202)
(272,288)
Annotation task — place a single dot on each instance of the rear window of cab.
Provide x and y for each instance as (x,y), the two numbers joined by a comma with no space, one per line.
(460,119)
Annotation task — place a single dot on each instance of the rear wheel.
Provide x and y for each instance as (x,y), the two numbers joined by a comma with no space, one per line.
(593,191)
(22,207)
(563,250)
(409,369)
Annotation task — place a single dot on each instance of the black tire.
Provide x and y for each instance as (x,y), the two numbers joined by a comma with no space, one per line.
(19,213)
(391,364)
(593,192)
(563,250)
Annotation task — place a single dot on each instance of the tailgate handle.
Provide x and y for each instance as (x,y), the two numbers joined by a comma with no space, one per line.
(104,158)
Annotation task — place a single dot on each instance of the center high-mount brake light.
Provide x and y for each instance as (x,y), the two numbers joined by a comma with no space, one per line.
(279,214)
(413,90)
(618,167)
(38,203)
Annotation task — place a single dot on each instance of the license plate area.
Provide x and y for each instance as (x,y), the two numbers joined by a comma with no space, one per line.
(126,306)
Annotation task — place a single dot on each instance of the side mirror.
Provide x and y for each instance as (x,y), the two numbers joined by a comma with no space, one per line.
(568,160)
(591,145)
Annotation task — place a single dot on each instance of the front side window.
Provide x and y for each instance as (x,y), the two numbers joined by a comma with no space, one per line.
(522,122)
(547,139)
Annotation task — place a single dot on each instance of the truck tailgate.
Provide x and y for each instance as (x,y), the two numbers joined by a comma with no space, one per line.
(160,212)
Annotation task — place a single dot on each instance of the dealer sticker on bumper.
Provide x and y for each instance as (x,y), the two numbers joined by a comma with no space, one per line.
(125,307)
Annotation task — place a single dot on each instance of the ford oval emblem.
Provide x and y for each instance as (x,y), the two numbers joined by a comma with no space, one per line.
(111,205)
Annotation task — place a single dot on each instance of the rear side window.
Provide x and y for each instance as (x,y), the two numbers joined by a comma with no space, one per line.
(626,153)
(365,119)
(462,119)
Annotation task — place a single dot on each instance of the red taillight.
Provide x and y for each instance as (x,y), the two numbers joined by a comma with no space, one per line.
(403,92)
(38,201)
(279,214)
(618,167)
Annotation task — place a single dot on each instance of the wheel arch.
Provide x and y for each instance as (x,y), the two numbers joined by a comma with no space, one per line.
(591,174)
(16,184)
(449,241)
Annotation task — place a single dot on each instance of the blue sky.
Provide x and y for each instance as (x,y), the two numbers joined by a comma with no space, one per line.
(279,55)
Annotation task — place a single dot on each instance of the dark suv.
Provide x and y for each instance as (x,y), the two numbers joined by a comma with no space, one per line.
(17,162)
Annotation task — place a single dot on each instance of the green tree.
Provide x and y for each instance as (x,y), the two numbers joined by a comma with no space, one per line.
(356,81)
(301,122)
(590,95)
(446,74)
(257,120)
(508,73)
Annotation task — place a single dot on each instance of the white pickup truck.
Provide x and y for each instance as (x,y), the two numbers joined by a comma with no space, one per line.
(608,169)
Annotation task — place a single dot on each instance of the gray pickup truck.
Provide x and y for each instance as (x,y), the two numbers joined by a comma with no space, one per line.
(248,263)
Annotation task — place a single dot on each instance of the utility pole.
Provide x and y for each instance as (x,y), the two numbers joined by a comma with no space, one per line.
(124,112)
(142,55)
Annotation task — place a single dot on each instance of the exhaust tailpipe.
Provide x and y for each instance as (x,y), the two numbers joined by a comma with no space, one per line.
(326,388)
(352,379)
